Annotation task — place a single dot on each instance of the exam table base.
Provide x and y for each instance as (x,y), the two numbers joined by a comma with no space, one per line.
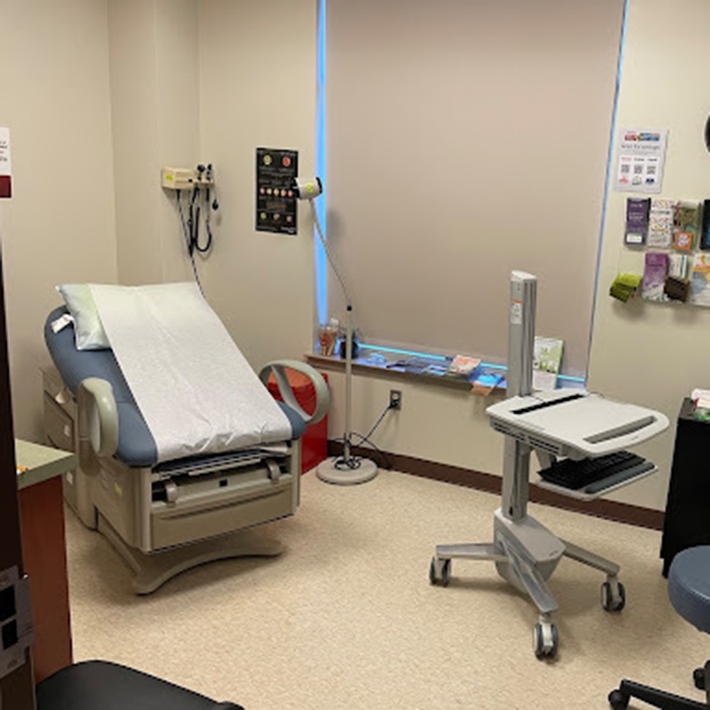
(526,554)
(153,570)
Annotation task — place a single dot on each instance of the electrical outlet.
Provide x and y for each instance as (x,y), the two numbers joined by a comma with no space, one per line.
(396,399)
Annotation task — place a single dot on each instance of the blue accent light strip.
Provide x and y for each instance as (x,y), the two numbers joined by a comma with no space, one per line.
(494,366)
(569,378)
(609,170)
(429,356)
(397,351)
(566,378)
(320,266)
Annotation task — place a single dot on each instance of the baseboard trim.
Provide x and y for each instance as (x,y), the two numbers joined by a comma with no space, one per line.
(468,478)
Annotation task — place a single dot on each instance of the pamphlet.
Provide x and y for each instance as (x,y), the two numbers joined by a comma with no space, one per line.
(700,281)
(654,276)
(547,360)
(637,216)
(686,225)
(487,380)
(462,367)
(660,226)
(625,286)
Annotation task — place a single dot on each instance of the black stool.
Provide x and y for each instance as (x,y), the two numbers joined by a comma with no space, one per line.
(689,592)
(97,685)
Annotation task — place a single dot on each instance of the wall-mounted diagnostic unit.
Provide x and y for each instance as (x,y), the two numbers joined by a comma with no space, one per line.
(276,210)
(187,178)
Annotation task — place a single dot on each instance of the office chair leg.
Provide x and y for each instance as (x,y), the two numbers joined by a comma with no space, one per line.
(619,699)
(701,678)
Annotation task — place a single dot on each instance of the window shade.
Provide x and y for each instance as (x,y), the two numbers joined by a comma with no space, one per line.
(465,139)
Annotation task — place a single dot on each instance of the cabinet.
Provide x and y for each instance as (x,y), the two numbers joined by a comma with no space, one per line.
(687,519)
(43,547)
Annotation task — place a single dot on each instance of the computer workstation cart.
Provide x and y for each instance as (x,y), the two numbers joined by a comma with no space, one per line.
(563,424)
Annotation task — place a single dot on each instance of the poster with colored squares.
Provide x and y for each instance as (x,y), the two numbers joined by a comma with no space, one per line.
(276,201)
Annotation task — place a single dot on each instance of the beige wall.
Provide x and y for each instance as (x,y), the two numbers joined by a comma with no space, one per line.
(155,114)
(257,89)
(59,227)
(436,423)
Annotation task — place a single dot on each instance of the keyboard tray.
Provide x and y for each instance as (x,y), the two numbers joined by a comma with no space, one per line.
(580,494)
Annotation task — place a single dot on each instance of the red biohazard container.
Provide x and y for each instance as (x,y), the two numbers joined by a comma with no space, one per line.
(314,443)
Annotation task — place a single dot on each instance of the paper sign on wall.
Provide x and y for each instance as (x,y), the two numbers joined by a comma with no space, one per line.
(640,159)
(5,164)
(547,359)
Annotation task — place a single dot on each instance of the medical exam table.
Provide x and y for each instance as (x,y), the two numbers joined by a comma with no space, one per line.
(165,517)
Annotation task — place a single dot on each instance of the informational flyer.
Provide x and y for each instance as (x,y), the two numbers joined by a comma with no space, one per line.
(640,159)
(547,359)
(700,281)
(5,164)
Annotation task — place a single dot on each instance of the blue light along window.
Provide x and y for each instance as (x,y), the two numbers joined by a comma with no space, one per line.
(320,264)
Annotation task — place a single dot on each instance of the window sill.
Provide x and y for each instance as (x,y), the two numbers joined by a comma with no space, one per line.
(485,380)
(395,370)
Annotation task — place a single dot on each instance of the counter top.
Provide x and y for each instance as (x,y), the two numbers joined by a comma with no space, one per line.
(41,462)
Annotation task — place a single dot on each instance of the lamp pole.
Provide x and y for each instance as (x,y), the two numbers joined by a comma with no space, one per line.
(346,469)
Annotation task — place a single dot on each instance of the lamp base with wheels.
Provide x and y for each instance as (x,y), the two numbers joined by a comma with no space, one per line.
(334,470)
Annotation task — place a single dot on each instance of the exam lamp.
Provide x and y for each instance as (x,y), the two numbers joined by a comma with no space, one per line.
(346,469)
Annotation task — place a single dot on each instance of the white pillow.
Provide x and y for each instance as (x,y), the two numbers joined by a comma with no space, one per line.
(88,331)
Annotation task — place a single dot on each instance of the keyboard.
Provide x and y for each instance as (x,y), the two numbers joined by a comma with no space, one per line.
(595,474)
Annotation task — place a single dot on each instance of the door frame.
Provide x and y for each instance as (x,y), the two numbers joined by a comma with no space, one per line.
(16,689)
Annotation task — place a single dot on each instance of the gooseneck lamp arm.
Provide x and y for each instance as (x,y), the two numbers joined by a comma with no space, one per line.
(346,469)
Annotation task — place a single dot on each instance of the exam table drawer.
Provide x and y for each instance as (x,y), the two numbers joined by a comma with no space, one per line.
(175,525)
(59,431)
(59,426)
(55,388)
(206,505)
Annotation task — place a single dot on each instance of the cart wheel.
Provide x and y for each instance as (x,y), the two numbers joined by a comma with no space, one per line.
(440,572)
(545,639)
(611,601)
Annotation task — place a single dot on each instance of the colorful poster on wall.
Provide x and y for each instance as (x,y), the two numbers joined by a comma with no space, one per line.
(5,164)
(640,159)
(276,202)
